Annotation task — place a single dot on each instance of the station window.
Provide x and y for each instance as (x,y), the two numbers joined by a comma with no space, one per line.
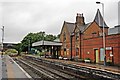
(77,36)
(65,53)
(77,51)
(64,37)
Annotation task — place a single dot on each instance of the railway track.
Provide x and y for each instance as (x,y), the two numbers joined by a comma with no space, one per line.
(44,69)
(82,72)
(44,72)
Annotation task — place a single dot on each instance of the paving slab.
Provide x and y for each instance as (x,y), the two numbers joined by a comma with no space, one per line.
(14,70)
(9,69)
(4,68)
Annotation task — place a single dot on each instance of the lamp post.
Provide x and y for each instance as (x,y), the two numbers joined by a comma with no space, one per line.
(43,36)
(2,38)
(103,32)
(29,45)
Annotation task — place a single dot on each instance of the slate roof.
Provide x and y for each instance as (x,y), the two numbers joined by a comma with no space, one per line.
(50,43)
(82,28)
(70,26)
(99,19)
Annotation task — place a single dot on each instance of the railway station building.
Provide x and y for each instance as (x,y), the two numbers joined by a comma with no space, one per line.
(85,40)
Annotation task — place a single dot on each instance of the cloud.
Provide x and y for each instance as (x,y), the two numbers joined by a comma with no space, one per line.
(23,16)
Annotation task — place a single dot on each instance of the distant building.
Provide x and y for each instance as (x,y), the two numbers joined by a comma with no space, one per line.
(7,46)
(119,13)
(115,30)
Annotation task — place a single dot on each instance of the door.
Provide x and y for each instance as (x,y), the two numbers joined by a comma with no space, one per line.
(96,56)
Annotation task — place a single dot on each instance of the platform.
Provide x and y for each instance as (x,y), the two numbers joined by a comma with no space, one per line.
(0,67)
(13,70)
(113,69)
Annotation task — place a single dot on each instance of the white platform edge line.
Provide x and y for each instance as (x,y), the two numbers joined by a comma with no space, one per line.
(21,68)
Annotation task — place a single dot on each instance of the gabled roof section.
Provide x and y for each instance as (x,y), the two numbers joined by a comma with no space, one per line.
(70,26)
(99,19)
(84,27)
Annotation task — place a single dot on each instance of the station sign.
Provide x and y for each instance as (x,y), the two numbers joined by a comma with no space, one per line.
(108,48)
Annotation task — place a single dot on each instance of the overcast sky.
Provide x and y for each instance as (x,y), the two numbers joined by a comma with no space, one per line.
(21,17)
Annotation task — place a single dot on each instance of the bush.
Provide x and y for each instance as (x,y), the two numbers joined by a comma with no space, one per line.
(87,58)
(41,54)
(11,51)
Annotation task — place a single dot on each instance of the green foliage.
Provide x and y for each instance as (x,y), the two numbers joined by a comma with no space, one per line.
(87,58)
(30,38)
(41,53)
(11,51)
(18,47)
(50,37)
(58,36)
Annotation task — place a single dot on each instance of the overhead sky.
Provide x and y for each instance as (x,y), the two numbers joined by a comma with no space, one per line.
(21,17)
(119,13)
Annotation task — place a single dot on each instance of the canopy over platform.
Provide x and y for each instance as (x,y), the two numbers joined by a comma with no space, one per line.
(46,43)
(52,47)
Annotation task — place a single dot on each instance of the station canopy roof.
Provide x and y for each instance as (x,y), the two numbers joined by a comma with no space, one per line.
(47,43)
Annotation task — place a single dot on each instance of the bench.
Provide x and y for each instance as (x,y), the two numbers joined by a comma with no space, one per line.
(87,61)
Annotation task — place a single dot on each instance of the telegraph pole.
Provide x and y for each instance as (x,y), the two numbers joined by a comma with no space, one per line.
(2,38)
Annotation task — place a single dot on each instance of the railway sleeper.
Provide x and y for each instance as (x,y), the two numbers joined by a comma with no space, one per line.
(82,70)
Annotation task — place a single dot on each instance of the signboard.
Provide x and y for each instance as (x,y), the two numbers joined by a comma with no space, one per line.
(102,54)
(108,48)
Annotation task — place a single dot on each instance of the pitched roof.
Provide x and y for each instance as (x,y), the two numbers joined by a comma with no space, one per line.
(51,43)
(99,19)
(84,27)
(70,26)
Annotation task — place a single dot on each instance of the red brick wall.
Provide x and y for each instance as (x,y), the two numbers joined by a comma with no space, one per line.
(88,45)
(67,42)
(93,28)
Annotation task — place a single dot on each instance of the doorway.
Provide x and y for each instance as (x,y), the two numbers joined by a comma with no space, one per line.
(96,55)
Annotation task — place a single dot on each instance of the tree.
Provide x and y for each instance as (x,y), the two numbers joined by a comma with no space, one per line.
(50,37)
(30,38)
(58,36)
(18,47)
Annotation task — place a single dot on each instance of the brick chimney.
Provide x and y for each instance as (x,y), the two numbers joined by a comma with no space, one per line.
(80,19)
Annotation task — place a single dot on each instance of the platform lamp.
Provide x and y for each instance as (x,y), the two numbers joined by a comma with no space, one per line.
(103,32)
